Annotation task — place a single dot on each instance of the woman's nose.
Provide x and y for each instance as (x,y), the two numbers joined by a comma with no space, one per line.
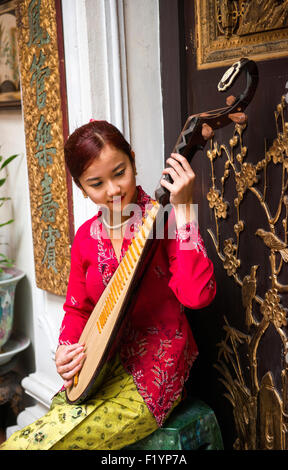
(113,189)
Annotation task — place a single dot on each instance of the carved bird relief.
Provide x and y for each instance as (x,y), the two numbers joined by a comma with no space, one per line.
(274,243)
(248,293)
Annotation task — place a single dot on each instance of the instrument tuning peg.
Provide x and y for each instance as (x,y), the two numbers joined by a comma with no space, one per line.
(230,100)
(239,118)
(207,131)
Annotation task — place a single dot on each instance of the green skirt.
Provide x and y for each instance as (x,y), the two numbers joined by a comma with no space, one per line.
(114,417)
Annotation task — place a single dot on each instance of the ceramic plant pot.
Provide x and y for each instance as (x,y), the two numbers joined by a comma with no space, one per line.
(8,282)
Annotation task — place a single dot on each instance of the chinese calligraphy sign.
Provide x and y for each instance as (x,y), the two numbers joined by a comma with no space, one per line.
(42,99)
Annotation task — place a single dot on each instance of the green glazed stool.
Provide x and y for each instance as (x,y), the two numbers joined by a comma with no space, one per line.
(191,426)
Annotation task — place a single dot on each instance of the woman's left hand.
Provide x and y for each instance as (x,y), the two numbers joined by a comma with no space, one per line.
(181,190)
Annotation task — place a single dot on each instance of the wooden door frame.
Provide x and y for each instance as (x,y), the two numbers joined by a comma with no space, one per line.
(173,77)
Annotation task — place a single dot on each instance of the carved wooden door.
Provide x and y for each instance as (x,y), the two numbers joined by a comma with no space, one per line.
(242,178)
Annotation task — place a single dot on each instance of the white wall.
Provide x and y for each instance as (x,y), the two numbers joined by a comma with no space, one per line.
(120,84)
(18,235)
(144,91)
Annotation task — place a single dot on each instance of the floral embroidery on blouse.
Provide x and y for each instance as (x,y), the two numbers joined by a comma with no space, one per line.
(159,272)
(189,233)
(74,301)
(106,257)
(66,343)
(61,341)
(211,284)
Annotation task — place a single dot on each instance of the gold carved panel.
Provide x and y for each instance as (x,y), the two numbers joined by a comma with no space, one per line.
(259,406)
(229,29)
(43,119)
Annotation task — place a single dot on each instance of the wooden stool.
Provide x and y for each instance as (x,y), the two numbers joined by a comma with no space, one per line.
(191,426)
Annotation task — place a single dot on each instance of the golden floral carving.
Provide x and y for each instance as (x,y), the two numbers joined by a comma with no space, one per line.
(231,263)
(260,410)
(272,310)
(239,227)
(216,201)
(246,178)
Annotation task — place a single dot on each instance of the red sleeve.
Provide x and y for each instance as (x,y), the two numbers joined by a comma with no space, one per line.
(77,306)
(192,279)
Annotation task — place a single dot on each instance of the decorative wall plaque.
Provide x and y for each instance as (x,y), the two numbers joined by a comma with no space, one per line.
(43,101)
(229,29)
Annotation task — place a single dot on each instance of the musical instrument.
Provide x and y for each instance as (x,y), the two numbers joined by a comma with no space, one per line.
(103,328)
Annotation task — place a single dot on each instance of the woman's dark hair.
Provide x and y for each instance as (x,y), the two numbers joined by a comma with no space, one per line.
(86,143)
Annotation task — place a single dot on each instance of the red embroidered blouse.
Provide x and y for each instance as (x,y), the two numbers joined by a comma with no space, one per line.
(158,347)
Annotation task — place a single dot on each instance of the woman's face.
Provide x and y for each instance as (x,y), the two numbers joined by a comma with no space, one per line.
(110,180)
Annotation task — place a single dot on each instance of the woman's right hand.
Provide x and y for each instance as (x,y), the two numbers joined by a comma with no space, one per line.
(69,360)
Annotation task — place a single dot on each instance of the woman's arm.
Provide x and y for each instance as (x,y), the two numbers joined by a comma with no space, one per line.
(192,273)
(77,306)
(70,354)
(192,278)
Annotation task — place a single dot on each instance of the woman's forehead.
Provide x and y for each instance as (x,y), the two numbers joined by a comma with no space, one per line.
(109,160)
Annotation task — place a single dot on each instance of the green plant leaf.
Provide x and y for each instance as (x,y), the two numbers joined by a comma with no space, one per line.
(2,181)
(5,262)
(3,200)
(8,160)
(6,223)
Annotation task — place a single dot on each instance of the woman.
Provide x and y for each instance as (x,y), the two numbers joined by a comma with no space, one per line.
(148,368)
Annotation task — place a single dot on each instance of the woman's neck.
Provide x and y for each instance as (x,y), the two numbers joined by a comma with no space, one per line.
(115,226)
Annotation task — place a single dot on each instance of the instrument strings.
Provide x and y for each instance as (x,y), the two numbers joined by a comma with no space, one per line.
(124,271)
(125,268)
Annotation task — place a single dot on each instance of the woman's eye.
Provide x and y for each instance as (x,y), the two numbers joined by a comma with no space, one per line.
(120,173)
